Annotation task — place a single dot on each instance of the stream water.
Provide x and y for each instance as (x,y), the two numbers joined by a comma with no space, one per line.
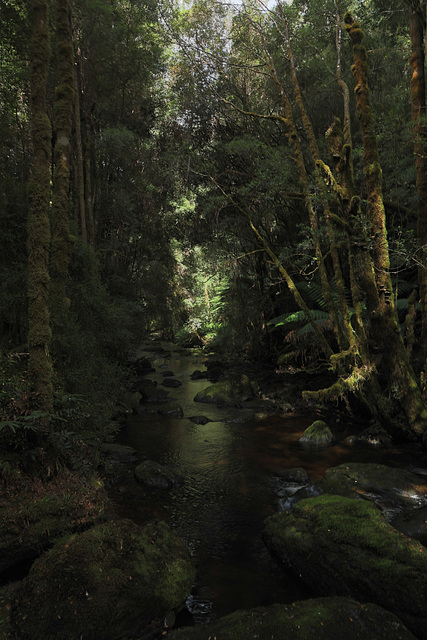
(231,469)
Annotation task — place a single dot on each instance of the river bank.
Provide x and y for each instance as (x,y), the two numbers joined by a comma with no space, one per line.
(215,472)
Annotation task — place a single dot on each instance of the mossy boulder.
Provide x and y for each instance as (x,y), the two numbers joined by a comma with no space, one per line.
(31,521)
(317,434)
(107,583)
(303,620)
(156,476)
(342,546)
(227,392)
(392,489)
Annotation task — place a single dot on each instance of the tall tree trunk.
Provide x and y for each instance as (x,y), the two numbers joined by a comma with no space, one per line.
(392,358)
(62,242)
(80,181)
(39,333)
(418,103)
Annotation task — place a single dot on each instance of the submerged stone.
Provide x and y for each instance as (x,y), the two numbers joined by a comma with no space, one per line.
(317,434)
(342,546)
(156,476)
(107,583)
(200,419)
(171,410)
(315,619)
(171,382)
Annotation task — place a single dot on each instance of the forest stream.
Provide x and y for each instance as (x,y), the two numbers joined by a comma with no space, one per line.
(231,469)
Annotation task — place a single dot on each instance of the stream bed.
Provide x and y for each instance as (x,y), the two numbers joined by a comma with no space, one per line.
(231,469)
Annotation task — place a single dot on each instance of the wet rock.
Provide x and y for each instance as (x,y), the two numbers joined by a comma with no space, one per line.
(171,410)
(262,406)
(107,583)
(199,375)
(153,395)
(167,374)
(313,619)
(199,419)
(119,452)
(343,546)
(317,434)
(156,476)
(131,400)
(393,490)
(297,475)
(146,382)
(227,392)
(142,366)
(171,382)
(376,436)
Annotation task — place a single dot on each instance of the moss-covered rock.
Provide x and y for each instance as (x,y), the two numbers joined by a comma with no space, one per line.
(342,546)
(303,620)
(227,392)
(31,521)
(107,583)
(317,434)
(391,488)
(156,476)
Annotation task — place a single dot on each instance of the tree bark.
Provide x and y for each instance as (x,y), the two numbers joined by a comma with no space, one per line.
(418,103)
(393,366)
(62,241)
(38,239)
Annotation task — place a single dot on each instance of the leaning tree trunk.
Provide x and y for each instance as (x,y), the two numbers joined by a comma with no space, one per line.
(39,334)
(62,241)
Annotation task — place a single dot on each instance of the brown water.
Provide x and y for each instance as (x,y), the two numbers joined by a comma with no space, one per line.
(230,487)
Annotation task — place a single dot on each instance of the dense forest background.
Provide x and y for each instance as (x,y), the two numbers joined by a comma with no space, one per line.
(248,178)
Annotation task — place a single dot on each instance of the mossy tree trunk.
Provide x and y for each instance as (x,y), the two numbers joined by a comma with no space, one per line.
(39,333)
(62,241)
(419,115)
(391,357)
(79,171)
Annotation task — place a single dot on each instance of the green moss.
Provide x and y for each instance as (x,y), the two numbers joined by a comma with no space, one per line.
(346,546)
(304,620)
(108,582)
(238,389)
(317,434)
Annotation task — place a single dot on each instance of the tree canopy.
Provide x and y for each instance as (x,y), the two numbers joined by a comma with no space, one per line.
(248,177)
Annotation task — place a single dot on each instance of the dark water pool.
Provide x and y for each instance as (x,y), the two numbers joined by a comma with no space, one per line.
(230,487)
